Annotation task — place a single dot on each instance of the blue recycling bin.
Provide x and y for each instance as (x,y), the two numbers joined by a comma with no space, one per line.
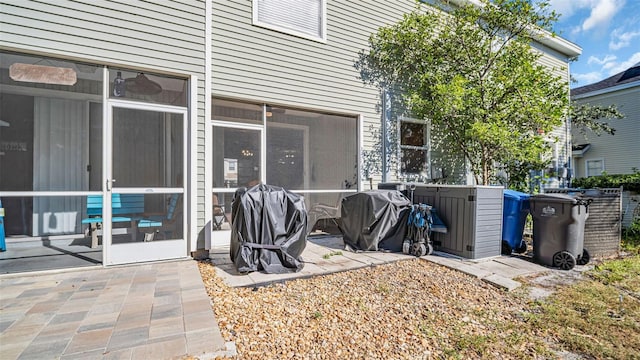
(3,244)
(514,216)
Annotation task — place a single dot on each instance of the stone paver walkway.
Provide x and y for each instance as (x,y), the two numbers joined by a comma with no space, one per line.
(324,255)
(149,311)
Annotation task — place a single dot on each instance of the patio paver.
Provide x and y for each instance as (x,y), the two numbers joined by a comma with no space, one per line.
(162,310)
(147,311)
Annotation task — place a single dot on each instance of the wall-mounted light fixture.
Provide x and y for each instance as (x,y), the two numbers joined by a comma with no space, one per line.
(140,85)
(119,87)
(246,152)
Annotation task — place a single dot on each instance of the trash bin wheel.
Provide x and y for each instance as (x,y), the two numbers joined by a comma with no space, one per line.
(522,248)
(506,248)
(584,259)
(564,260)
(429,249)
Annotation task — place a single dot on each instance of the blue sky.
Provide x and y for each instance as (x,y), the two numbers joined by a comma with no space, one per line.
(608,32)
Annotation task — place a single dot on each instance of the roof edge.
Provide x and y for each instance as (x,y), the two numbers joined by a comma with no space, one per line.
(606,90)
(548,39)
(560,44)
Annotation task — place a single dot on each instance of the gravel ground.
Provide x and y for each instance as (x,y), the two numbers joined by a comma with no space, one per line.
(410,309)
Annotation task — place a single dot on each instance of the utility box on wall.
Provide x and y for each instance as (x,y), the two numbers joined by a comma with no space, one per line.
(472,214)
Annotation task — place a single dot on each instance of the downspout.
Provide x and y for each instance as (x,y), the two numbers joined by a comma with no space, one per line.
(568,141)
(208,156)
(384,136)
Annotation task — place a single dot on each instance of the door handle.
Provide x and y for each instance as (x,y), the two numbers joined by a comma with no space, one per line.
(110,184)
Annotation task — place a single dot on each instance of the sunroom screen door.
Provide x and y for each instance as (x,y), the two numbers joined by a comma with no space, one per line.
(145,182)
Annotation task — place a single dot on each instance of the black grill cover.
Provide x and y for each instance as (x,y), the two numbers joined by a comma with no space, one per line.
(375,220)
(268,230)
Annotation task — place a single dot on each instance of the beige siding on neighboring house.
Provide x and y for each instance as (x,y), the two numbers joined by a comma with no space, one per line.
(620,152)
(158,35)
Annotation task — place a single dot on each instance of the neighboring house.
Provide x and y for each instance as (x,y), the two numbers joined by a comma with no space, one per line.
(179,102)
(613,154)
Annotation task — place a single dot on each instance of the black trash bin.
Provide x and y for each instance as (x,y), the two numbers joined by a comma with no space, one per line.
(268,230)
(375,220)
(558,230)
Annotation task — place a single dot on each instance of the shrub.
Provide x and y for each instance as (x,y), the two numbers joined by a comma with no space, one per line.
(629,182)
(631,237)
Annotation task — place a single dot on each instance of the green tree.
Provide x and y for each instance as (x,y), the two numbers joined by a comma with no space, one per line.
(472,71)
(589,117)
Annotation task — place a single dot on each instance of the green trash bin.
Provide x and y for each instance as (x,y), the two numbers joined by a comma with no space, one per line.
(558,230)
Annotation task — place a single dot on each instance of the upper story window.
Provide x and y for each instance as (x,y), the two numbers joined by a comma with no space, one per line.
(304,18)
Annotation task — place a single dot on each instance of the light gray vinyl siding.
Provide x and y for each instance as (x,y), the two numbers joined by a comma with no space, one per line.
(553,60)
(558,66)
(157,35)
(620,152)
(266,66)
(257,64)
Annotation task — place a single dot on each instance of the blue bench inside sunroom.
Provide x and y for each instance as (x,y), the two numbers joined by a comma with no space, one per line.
(125,208)
(168,221)
(129,208)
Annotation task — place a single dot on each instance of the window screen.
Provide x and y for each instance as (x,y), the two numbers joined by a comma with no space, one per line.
(414,147)
(594,167)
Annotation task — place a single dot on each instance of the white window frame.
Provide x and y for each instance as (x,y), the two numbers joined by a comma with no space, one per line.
(426,147)
(291,31)
(586,166)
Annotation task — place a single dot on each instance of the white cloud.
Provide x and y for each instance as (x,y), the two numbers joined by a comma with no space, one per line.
(606,59)
(602,11)
(619,67)
(588,78)
(609,67)
(567,8)
(621,39)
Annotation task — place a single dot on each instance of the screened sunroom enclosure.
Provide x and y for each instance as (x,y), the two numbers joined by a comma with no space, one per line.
(311,153)
(92,164)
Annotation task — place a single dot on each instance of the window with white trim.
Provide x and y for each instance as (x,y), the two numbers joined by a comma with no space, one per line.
(594,167)
(414,147)
(304,18)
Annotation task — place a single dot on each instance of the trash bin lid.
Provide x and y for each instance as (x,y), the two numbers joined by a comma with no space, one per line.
(562,198)
(516,195)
